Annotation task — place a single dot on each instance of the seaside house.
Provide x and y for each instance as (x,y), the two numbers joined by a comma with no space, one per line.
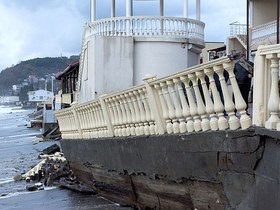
(68,78)
(40,95)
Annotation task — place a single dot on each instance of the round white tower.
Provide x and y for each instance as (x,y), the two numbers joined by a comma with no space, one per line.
(118,52)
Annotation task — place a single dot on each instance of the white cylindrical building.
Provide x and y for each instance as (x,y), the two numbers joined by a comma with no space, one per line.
(118,52)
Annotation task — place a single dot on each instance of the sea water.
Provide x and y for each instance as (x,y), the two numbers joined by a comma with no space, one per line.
(18,154)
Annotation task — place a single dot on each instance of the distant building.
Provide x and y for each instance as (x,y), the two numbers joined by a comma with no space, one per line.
(40,95)
(9,100)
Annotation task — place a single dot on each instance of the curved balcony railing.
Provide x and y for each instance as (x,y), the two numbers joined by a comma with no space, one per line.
(148,26)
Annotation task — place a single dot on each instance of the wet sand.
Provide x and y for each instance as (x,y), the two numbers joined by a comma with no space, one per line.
(58,199)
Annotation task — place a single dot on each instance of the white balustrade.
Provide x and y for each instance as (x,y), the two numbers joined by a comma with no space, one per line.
(179,103)
(138,26)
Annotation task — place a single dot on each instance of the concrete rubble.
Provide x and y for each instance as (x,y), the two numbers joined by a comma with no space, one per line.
(52,170)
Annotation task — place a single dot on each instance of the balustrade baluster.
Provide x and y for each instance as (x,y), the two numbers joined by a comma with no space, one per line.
(88,120)
(141,118)
(273,101)
(117,117)
(180,109)
(90,123)
(124,118)
(164,107)
(208,101)
(186,107)
(218,105)
(240,104)
(128,113)
(113,114)
(68,124)
(145,115)
(170,108)
(199,106)
(62,120)
(79,112)
(101,131)
(120,116)
(137,113)
(208,107)
(130,99)
(149,116)
(175,107)
(229,105)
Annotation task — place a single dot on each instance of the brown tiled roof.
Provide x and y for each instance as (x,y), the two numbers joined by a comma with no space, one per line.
(68,69)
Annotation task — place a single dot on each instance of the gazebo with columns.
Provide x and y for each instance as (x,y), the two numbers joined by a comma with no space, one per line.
(118,52)
(129,8)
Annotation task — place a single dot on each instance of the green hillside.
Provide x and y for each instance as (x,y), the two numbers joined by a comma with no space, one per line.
(38,67)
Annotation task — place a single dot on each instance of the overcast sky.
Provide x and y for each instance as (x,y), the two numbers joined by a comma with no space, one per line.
(51,28)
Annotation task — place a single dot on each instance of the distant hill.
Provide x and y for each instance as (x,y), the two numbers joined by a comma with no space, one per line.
(38,67)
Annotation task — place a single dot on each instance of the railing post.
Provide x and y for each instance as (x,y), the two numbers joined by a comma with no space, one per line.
(106,115)
(154,104)
(273,102)
(77,122)
(259,90)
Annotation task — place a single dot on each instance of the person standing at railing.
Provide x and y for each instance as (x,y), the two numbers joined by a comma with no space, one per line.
(243,71)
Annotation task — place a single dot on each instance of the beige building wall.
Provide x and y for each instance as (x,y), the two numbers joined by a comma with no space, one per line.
(263,11)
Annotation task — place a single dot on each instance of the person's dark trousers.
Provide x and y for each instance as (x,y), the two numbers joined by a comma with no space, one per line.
(245,89)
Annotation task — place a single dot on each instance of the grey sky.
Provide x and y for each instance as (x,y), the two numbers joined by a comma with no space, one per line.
(51,28)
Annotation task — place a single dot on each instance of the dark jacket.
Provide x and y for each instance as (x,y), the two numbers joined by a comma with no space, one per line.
(241,74)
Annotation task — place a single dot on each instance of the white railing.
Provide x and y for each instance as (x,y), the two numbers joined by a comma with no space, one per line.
(238,29)
(264,31)
(148,26)
(172,104)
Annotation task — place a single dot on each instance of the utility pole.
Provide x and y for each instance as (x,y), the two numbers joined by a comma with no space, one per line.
(247,25)
(277,25)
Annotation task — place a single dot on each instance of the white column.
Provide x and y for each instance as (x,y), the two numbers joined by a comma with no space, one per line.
(128,8)
(128,14)
(161,6)
(92,10)
(113,8)
(185,9)
(273,102)
(198,9)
